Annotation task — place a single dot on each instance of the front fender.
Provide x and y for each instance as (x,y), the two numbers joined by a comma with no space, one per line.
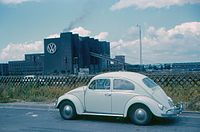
(150,103)
(77,103)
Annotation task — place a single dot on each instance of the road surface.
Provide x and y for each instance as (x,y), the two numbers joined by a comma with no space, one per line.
(22,118)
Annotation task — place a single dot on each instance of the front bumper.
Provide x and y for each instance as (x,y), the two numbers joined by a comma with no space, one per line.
(173,112)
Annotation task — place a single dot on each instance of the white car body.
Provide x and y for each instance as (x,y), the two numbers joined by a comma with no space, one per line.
(115,102)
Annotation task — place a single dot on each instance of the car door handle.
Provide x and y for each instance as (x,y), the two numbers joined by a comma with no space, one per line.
(108,94)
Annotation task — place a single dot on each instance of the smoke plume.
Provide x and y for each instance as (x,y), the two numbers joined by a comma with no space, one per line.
(88,9)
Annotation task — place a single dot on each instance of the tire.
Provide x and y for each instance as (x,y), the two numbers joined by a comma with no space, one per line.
(67,110)
(140,115)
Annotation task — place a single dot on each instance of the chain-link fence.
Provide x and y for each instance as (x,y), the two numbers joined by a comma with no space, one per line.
(42,81)
(183,87)
(163,79)
(184,80)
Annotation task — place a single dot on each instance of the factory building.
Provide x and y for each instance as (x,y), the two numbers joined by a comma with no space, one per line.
(32,65)
(70,53)
(67,54)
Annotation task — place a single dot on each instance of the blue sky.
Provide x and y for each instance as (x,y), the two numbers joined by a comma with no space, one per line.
(170,29)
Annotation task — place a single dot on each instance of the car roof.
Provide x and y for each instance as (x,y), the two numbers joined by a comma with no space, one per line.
(121,74)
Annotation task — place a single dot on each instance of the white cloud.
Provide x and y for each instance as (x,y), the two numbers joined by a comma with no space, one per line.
(81,31)
(15,1)
(53,36)
(179,44)
(16,51)
(142,4)
(101,36)
(84,32)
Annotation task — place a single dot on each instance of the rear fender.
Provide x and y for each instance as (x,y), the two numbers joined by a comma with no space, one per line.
(150,103)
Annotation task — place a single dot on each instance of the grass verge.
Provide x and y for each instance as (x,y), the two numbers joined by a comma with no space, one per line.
(190,96)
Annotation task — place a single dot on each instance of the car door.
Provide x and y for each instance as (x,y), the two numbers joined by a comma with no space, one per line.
(123,90)
(98,96)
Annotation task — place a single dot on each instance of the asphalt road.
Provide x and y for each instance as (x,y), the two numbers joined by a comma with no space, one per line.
(46,119)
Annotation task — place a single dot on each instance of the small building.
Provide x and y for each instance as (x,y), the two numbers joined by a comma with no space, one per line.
(192,66)
(119,64)
(4,69)
(120,58)
(32,65)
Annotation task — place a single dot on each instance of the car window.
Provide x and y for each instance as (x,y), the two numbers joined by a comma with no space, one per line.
(120,84)
(149,83)
(100,84)
(92,84)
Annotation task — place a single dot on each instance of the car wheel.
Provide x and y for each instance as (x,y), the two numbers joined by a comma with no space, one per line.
(67,110)
(140,115)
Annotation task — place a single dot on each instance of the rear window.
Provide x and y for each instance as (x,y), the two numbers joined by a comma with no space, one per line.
(149,83)
(120,84)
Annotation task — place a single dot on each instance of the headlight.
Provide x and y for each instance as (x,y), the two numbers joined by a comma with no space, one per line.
(161,106)
(55,103)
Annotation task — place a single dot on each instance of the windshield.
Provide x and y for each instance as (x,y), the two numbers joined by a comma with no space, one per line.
(149,83)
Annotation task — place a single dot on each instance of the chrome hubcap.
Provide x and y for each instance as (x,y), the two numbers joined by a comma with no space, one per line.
(67,111)
(140,115)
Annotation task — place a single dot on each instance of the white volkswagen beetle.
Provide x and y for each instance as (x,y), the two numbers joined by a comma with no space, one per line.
(123,94)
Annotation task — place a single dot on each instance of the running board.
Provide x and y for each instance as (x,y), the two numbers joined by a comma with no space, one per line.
(102,114)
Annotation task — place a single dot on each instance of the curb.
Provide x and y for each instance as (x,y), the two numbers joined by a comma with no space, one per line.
(28,105)
(191,112)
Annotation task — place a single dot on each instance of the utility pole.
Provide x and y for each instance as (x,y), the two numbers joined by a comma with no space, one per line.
(140,37)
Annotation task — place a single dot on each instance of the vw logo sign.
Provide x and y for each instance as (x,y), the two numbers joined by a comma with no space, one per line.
(51,48)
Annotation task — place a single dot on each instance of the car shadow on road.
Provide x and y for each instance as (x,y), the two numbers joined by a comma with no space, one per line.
(121,120)
(104,119)
(164,121)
